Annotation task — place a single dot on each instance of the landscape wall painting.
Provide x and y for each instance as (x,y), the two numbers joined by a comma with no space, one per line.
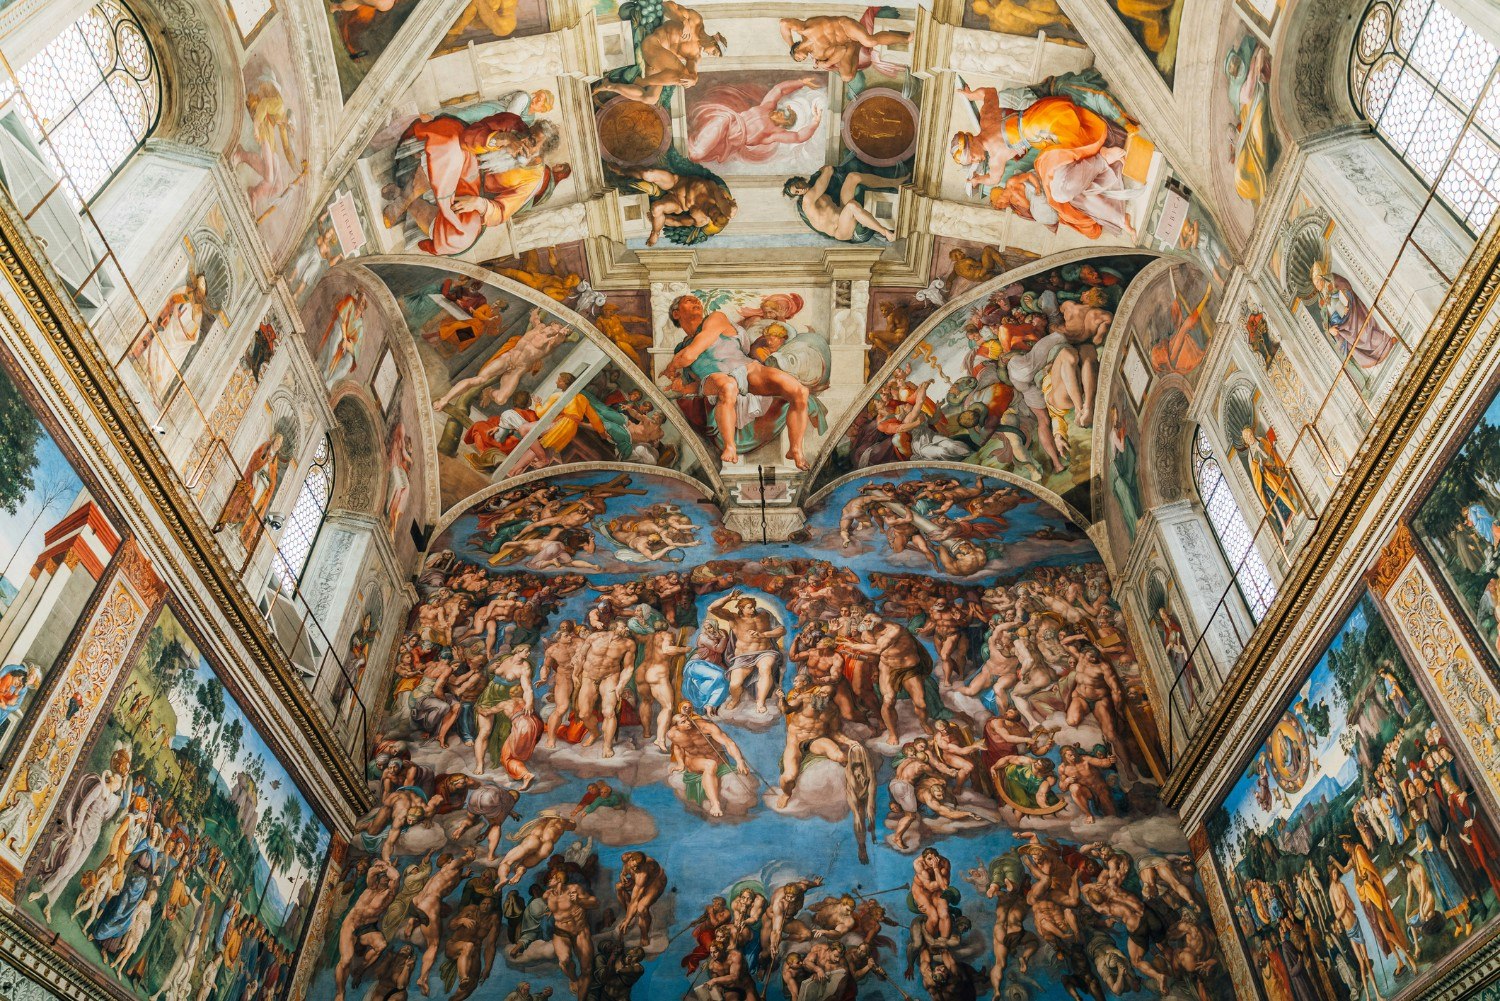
(1356,853)
(53,548)
(629,754)
(183,862)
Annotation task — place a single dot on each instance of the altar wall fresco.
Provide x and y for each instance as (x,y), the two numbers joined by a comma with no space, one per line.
(629,753)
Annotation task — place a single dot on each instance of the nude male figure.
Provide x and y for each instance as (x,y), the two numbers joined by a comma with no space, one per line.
(1010,931)
(825,667)
(506,368)
(604,663)
(999,668)
(429,903)
(946,624)
(463,690)
(786,903)
(572,943)
(756,648)
(899,658)
(559,660)
(361,927)
(947,748)
(1053,897)
(839,219)
(653,681)
(493,619)
(685,200)
(534,842)
(812,727)
(1081,777)
(1096,691)
(912,772)
(700,746)
(834,43)
(1143,930)
(861,510)
(437,616)
(642,882)
(931,875)
(669,55)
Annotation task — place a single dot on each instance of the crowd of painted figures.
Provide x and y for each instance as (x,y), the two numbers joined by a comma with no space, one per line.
(747,690)
(1352,885)
(1417,821)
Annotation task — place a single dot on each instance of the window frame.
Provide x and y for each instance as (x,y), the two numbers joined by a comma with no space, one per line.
(322,463)
(120,17)
(1265,590)
(1362,67)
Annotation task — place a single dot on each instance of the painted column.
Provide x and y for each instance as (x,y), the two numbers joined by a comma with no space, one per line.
(82,542)
(1465,699)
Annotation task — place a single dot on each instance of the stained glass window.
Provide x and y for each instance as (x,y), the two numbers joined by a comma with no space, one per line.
(1418,73)
(302,525)
(1231,530)
(91,97)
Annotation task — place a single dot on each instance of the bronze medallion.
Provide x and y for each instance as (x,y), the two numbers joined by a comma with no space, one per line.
(632,133)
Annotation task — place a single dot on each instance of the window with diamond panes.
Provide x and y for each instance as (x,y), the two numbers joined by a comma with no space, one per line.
(1232,531)
(1427,83)
(91,97)
(302,526)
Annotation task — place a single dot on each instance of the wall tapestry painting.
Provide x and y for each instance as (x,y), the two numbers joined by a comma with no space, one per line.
(628,754)
(183,861)
(1356,853)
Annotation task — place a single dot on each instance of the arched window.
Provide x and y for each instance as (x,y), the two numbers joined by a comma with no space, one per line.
(303,524)
(91,97)
(1417,74)
(1231,530)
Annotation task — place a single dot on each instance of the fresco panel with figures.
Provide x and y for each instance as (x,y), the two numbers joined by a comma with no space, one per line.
(628,753)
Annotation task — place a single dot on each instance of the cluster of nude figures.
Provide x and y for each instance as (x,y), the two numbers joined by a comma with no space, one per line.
(951,694)
(815,944)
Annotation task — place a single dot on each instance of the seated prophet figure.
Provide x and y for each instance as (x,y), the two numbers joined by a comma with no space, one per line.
(455,176)
(1058,160)
(711,359)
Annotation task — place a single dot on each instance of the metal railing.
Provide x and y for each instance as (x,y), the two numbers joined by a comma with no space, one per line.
(1309,443)
(122,318)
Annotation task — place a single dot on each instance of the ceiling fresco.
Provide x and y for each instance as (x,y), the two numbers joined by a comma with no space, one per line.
(1008,380)
(764,147)
(630,753)
(514,386)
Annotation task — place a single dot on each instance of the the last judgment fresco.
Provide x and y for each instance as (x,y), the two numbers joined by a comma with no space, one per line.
(628,754)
